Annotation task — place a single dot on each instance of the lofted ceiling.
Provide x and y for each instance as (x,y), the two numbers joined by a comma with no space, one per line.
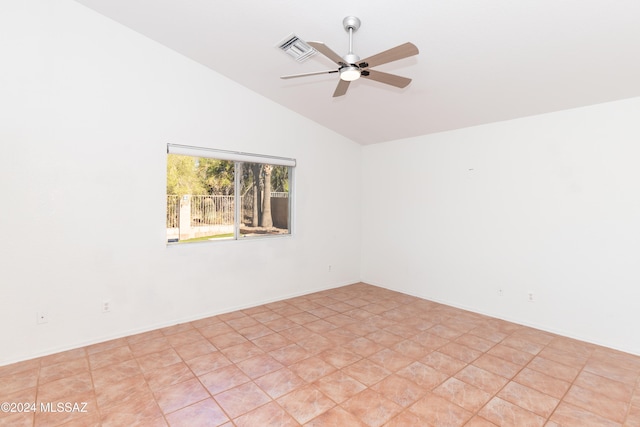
(480,61)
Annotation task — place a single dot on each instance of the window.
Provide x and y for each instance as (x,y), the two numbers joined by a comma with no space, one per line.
(214,194)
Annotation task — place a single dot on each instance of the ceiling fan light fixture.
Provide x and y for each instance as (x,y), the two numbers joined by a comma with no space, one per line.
(350,73)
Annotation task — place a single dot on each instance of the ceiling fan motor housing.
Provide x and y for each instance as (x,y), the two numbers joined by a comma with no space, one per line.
(350,71)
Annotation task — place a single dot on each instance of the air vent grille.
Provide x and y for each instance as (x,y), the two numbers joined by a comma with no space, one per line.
(296,48)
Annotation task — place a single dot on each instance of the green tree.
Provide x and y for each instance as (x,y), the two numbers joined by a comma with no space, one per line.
(217,176)
(280,179)
(182,176)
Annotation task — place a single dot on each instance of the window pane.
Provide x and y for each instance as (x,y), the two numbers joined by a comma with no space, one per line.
(200,198)
(264,191)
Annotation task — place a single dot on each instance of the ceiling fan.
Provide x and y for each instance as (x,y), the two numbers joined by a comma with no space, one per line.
(351,67)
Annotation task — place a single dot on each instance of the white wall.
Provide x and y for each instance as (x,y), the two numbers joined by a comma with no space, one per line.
(548,204)
(87,108)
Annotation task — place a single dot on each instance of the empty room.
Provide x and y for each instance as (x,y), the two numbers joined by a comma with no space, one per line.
(347,213)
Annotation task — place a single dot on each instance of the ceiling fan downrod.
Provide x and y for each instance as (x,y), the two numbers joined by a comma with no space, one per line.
(351,71)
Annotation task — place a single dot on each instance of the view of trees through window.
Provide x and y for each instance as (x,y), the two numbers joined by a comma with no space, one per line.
(203,202)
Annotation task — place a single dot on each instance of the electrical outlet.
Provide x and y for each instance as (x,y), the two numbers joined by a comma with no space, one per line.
(42,317)
(329,267)
(106,306)
(530,297)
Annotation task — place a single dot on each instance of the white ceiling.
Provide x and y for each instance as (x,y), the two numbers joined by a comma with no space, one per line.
(480,61)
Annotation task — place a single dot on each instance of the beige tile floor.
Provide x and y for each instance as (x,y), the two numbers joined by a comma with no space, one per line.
(352,356)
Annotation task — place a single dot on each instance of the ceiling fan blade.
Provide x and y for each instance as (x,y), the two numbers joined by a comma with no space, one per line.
(326,51)
(343,85)
(315,73)
(393,54)
(390,79)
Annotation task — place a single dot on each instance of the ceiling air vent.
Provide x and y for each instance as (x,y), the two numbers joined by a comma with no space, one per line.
(296,48)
